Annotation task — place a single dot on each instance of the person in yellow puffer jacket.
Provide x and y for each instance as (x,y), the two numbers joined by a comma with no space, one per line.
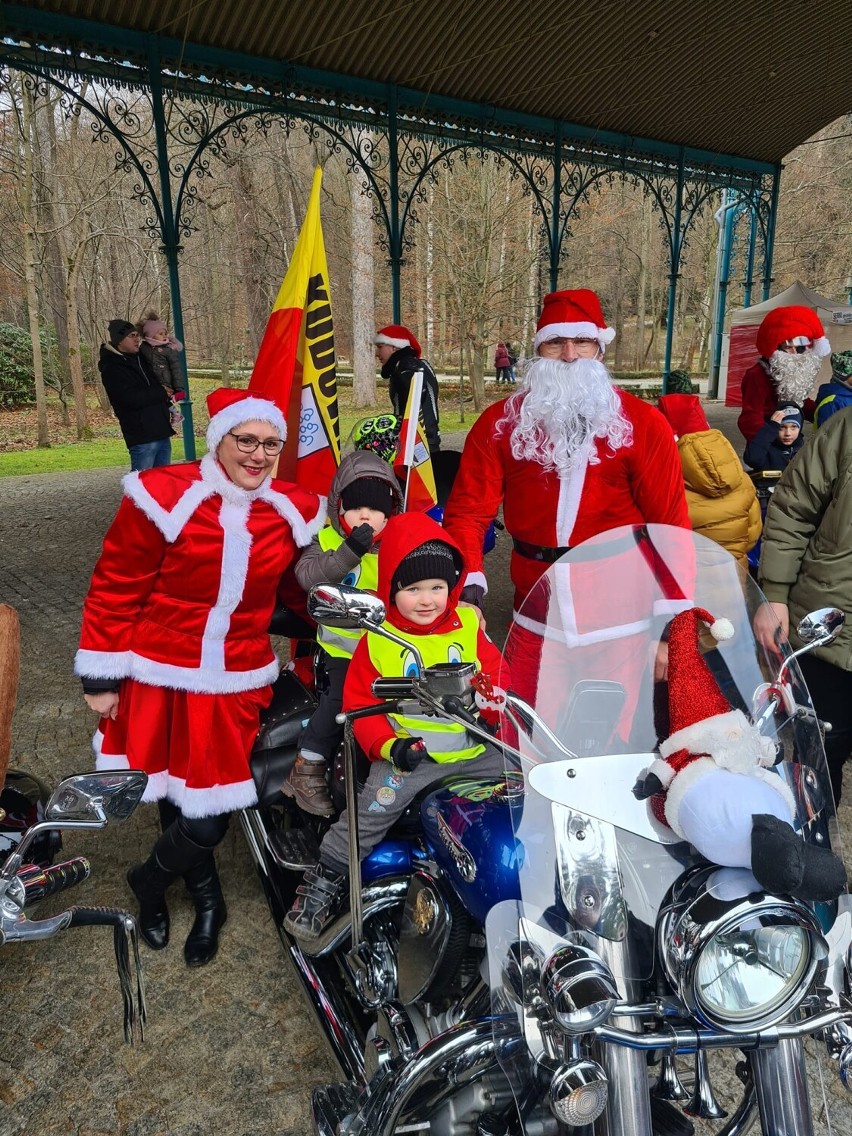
(719,493)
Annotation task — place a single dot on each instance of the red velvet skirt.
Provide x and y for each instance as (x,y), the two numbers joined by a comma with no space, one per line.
(195,748)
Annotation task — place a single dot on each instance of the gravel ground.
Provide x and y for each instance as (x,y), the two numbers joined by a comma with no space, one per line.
(230,1048)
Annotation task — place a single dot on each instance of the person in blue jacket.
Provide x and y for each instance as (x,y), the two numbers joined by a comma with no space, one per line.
(778,441)
(837,394)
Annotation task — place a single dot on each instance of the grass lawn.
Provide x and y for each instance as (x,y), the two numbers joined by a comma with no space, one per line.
(20,456)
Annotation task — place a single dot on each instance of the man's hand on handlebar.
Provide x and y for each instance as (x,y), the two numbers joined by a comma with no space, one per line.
(766,625)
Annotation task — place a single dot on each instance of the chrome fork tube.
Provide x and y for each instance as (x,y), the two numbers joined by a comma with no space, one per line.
(782,1089)
(351,774)
(628,1107)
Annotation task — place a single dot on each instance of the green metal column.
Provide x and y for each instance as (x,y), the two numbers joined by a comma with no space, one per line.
(394,234)
(674,251)
(555,230)
(748,283)
(769,248)
(170,247)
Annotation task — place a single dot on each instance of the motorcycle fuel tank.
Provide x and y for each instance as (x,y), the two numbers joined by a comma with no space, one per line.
(468,823)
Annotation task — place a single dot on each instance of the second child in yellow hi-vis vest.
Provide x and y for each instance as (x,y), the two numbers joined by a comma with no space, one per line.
(364,493)
(420,573)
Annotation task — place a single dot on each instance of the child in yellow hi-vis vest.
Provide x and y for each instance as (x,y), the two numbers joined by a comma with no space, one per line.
(364,493)
(420,573)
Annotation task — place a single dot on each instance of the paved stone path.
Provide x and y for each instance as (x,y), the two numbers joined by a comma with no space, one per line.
(230,1048)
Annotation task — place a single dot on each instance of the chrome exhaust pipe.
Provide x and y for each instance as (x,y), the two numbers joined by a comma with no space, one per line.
(459,1056)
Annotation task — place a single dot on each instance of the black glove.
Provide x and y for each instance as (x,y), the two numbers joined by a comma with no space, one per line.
(360,540)
(473,594)
(407,753)
(647,786)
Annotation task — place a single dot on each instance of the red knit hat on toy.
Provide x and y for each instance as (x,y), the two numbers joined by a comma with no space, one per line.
(797,323)
(395,335)
(574,313)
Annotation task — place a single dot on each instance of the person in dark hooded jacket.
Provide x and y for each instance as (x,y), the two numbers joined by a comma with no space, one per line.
(399,353)
(137,397)
(363,495)
(420,573)
(778,441)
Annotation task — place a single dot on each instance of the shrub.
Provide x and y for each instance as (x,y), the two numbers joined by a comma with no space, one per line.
(17,381)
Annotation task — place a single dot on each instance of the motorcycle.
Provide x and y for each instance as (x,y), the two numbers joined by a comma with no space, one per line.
(536,954)
(29,839)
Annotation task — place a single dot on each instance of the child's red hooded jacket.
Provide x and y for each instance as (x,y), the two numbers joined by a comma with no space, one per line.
(400,537)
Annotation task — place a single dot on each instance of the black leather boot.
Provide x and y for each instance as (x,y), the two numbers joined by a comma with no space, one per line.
(784,864)
(202,883)
(148,882)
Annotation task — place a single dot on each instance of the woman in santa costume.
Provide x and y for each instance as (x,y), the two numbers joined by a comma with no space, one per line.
(174,652)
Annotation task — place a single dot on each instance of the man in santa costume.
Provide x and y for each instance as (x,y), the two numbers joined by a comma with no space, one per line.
(400,358)
(792,344)
(715,785)
(568,456)
(175,653)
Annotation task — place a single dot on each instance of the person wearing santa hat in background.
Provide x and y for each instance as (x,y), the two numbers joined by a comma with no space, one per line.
(175,653)
(399,355)
(568,456)
(714,783)
(792,344)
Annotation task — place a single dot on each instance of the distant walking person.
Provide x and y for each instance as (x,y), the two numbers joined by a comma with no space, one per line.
(513,362)
(139,400)
(398,353)
(502,364)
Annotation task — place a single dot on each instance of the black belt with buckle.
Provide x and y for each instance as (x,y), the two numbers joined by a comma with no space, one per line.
(538,552)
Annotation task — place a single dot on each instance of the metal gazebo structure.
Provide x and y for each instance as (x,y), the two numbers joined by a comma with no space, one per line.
(701,119)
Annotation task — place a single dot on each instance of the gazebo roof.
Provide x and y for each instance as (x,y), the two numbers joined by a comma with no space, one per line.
(750,78)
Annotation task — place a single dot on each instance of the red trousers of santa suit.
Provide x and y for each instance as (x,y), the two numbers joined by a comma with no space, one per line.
(195,748)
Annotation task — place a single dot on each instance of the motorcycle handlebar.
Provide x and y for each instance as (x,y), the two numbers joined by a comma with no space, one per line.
(39,883)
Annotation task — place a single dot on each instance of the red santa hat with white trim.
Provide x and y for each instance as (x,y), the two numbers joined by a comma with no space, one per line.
(398,336)
(229,407)
(794,323)
(574,313)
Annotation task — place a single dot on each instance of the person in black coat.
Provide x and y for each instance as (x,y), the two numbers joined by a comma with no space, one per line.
(137,397)
(778,441)
(398,352)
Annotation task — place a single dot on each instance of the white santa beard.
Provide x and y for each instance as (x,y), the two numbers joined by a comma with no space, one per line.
(560,410)
(794,375)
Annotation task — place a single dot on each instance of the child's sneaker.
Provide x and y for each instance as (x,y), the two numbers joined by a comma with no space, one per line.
(319,901)
(308,786)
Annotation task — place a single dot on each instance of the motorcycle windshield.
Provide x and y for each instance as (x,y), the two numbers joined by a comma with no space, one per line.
(597,863)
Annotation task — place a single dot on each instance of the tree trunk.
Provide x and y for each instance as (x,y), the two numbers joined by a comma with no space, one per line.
(363,298)
(75,358)
(27,204)
(640,353)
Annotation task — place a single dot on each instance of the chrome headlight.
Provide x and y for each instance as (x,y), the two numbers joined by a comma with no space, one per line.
(579,988)
(738,964)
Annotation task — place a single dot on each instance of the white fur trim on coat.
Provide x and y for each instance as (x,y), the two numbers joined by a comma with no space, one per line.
(246,410)
(170,522)
(198,680)
(303,531)
(102,664)
(477,578)
(663,771)
(582,330)
(214,801)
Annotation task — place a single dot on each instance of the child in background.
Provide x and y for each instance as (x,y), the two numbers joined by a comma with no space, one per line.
(420,573)
(720,496)
(363,495)
(778,441)
(837,394)
(162,351)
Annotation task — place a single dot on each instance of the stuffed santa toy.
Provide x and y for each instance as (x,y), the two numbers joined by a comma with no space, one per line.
(714,783)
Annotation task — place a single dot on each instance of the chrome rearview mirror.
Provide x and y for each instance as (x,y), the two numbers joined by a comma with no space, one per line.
(108,796)
(339,605)
(822,626)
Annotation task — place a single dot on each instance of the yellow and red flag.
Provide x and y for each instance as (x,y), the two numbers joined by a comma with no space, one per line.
(295,366)
(413,461)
